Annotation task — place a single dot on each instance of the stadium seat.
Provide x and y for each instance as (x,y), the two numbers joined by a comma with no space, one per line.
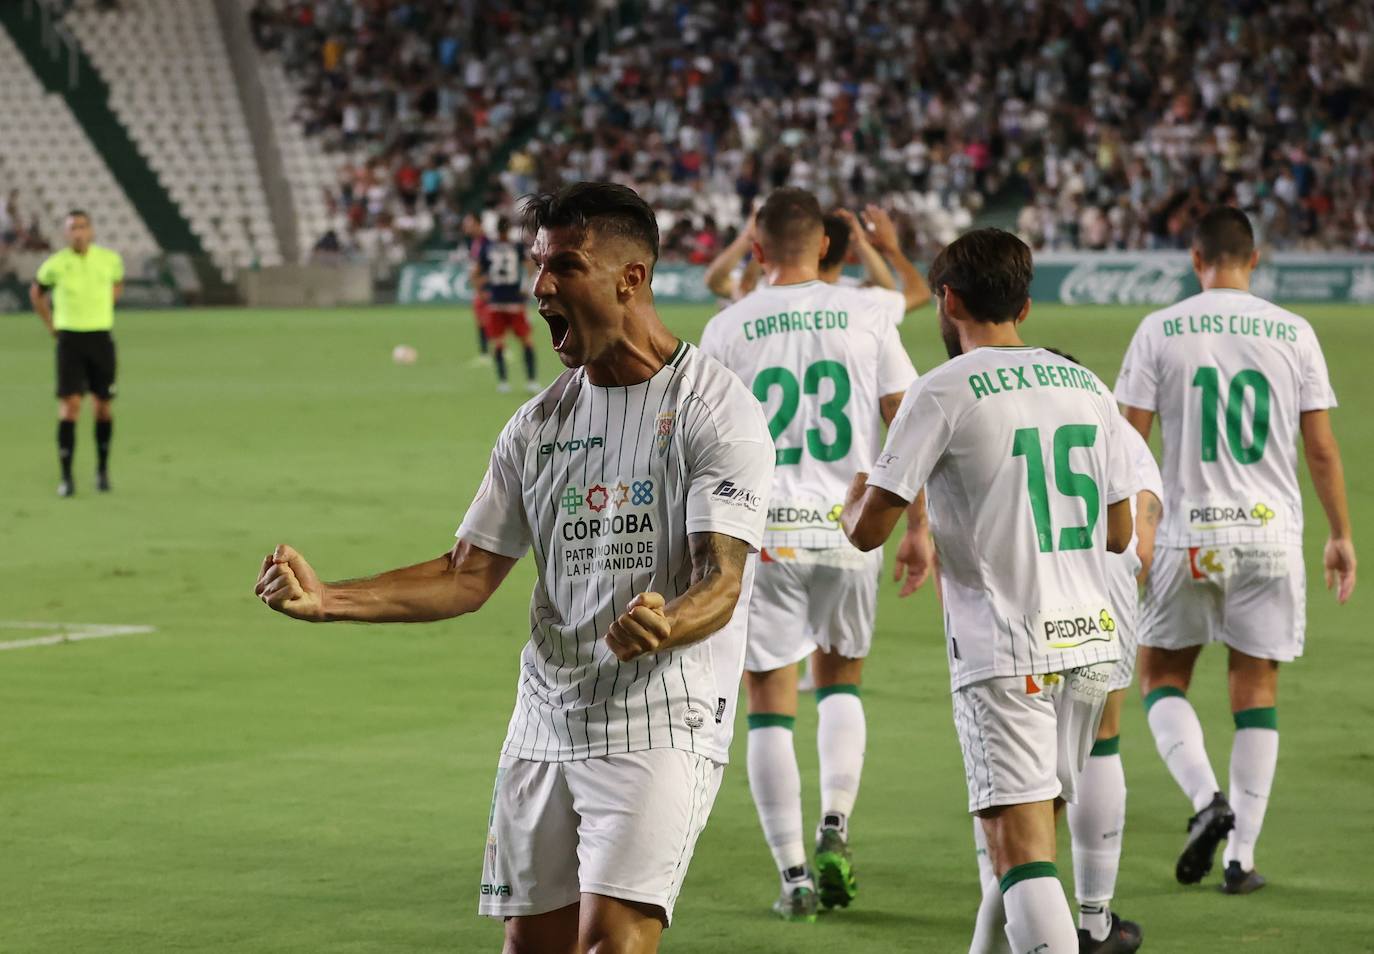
(48,160)
(168,70)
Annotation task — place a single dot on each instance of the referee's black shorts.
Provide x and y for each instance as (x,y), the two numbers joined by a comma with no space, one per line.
(86,362)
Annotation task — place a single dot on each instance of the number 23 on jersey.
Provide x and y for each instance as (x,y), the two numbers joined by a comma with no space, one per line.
(831,409)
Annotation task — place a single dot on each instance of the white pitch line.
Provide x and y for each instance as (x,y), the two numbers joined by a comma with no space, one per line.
(67,632)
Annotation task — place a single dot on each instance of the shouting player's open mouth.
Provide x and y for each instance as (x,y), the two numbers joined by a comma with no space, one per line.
(559,327)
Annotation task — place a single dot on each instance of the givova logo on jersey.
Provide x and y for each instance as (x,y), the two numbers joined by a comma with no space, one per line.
(1075,628)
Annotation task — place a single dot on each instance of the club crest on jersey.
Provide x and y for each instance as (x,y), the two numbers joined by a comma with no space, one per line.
(664,431)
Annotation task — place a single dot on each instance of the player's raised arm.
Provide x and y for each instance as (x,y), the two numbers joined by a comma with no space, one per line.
(451,585)
(718,273)
(883,235)
(648,625)
(1328,479)
(875,268)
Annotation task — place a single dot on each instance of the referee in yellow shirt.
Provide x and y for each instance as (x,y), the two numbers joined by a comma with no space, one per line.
(75,293)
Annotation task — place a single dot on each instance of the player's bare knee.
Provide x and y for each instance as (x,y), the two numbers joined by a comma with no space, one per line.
(69,408)
(1253,682)
(1110,726)
(1165,667)
(772,691)
(832,669)
(553,931)
(612,926)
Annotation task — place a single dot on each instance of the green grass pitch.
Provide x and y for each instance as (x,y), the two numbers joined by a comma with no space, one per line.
(235,781)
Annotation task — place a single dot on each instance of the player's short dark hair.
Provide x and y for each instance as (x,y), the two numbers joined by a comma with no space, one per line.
(788,219)
(837,230)
(603,207)
(991,271)
(73,213)
(1224,234)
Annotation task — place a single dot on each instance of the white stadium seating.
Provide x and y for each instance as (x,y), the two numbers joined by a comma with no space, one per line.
(172,86)
(47,158)
(311,171)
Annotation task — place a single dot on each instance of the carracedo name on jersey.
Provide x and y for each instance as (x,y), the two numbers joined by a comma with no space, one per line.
(608,528)
(803,517)
(786,322)
(1230,516)
(1075,628)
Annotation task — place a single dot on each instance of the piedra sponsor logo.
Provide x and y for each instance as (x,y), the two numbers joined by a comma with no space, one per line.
(802,518)
(1070,632)
(1227,516)
(1140,283)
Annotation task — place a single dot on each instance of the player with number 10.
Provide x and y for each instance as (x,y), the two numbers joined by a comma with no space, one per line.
(1235,380)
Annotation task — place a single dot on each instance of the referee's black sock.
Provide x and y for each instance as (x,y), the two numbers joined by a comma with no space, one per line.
(103,432)
(529,362)
(66,446)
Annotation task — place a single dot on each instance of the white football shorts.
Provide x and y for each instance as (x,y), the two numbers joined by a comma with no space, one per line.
(1026,738)
(622,825)
(1250,596)
(806,600)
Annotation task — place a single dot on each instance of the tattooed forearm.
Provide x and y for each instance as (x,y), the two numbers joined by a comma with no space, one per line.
(717,572)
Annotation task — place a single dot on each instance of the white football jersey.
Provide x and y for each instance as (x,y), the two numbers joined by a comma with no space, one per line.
(1229,375)
(606,483)
(818,357)
(1020,453)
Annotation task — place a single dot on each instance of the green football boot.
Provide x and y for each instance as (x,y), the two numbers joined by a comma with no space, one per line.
(835,869)
(797,904)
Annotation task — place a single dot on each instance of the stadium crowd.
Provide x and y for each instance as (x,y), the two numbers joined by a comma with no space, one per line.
(20,232)
(1118,127)
(415,96)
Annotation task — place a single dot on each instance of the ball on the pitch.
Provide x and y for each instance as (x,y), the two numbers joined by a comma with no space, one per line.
(404,354)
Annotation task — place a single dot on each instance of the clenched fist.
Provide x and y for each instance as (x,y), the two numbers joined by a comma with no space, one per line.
(641,629)
(287,584)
